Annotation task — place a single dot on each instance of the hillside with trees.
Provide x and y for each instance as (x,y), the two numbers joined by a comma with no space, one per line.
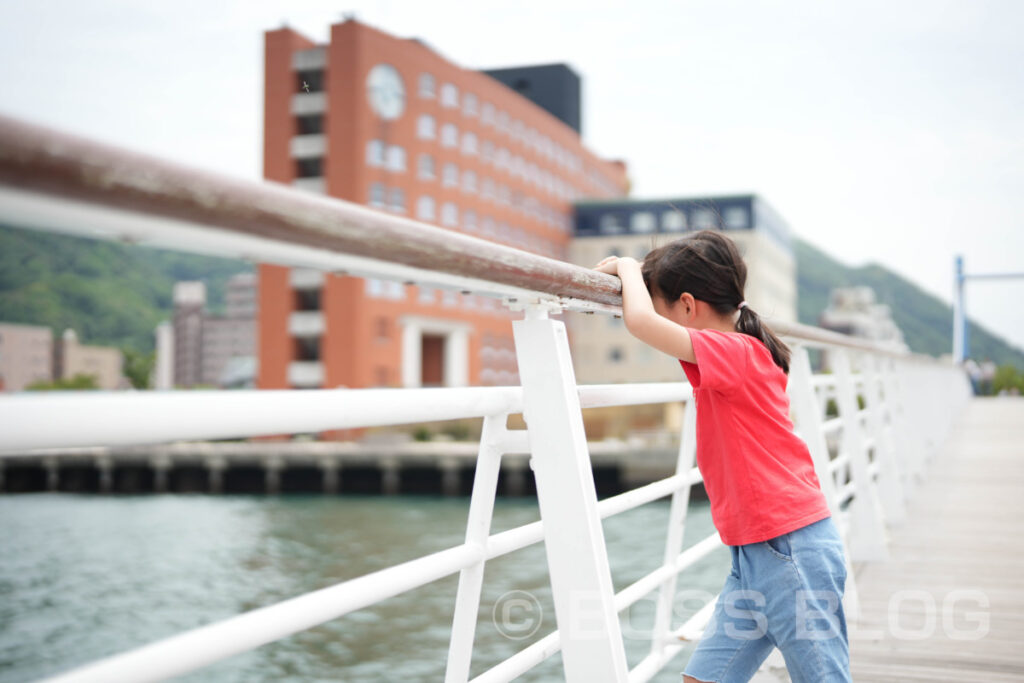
(111,294)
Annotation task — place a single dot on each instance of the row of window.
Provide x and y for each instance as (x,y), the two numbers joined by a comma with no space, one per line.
(312,80)
(500,120)
(674,220)
(470,183)
(395,291)
(514,128)
(393,199)
(393,158)
(500,157)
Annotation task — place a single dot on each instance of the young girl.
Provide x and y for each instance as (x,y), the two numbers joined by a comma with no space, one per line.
(788,565)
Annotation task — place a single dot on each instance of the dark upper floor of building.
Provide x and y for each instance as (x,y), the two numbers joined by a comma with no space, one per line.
(680,215)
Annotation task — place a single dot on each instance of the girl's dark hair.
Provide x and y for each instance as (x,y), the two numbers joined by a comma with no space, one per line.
(709,267)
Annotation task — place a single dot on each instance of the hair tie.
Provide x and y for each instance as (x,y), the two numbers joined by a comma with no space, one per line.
(741,305)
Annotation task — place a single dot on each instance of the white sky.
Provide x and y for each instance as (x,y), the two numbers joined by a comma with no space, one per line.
(882,131)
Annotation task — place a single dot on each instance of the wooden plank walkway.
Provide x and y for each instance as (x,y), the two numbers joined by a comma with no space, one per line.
(949,603)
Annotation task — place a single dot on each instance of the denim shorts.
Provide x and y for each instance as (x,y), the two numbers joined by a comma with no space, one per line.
(785,592)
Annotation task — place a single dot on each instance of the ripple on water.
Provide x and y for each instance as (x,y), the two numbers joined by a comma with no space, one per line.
(83,577)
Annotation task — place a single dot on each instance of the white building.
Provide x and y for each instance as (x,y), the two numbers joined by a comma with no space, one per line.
(855,311)
(603,350)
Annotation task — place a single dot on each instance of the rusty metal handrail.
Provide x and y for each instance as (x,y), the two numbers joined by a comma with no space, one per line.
(43,161)
(46,161)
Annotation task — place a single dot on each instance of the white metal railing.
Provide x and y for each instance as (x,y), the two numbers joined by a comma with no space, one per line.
(868,458)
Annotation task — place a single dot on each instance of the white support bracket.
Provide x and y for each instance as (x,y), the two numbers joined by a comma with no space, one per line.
(581,581)
(868,535)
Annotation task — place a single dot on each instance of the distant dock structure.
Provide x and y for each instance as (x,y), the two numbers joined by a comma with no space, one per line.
(386,466)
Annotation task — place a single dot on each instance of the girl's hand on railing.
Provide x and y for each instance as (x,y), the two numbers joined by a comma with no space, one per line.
(610,264)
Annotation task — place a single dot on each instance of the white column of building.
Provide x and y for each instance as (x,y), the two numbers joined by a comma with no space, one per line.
(456,358)
(163,370)
(412,355)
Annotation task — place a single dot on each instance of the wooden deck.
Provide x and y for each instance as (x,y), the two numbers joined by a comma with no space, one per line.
(964,536)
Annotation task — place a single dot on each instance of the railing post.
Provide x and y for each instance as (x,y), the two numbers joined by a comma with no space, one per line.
(880,422)
(581,581)
(913,438)
(807,418)
(478,528)
(676,528)
(867,528)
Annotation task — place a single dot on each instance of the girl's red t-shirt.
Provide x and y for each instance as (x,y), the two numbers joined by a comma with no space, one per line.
(757,472)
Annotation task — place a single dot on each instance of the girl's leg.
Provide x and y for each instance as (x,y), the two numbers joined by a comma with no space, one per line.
(735,641)
(806,618)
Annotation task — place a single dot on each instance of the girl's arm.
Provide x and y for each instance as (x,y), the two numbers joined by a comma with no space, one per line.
(642,321)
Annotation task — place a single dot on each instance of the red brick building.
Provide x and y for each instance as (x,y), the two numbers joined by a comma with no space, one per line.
(388,122)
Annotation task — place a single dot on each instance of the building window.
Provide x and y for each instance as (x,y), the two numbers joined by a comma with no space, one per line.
(425,127)
(469,220)
(311,80)
(384,289)
(487,188)
(307,349)
(704,219)
(468,143)
(307,299)
(427,86)
(449,214)
(310,125)
(642,221)
(426,295)
(501,158)
(377,195)
(449,135)
(309,168)
(396,158)
(487,114)
(374,153)
(426,167)
(425,208)
(736,218)
(449,96)
(469,106)
(673,221)
(609,224)
(487,150)
(450,175)
(469,181)
(397,200)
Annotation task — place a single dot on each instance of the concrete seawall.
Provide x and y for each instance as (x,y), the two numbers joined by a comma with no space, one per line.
(389,468)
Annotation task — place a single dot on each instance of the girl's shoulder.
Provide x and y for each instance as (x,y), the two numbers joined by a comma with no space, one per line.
(743,353)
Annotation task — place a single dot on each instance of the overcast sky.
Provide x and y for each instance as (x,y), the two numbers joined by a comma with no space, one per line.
(881,131)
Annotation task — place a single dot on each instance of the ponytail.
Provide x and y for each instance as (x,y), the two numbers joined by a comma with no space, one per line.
(750,323)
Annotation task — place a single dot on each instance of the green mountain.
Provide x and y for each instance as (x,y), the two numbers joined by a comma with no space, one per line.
(926,321)
(111,294)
